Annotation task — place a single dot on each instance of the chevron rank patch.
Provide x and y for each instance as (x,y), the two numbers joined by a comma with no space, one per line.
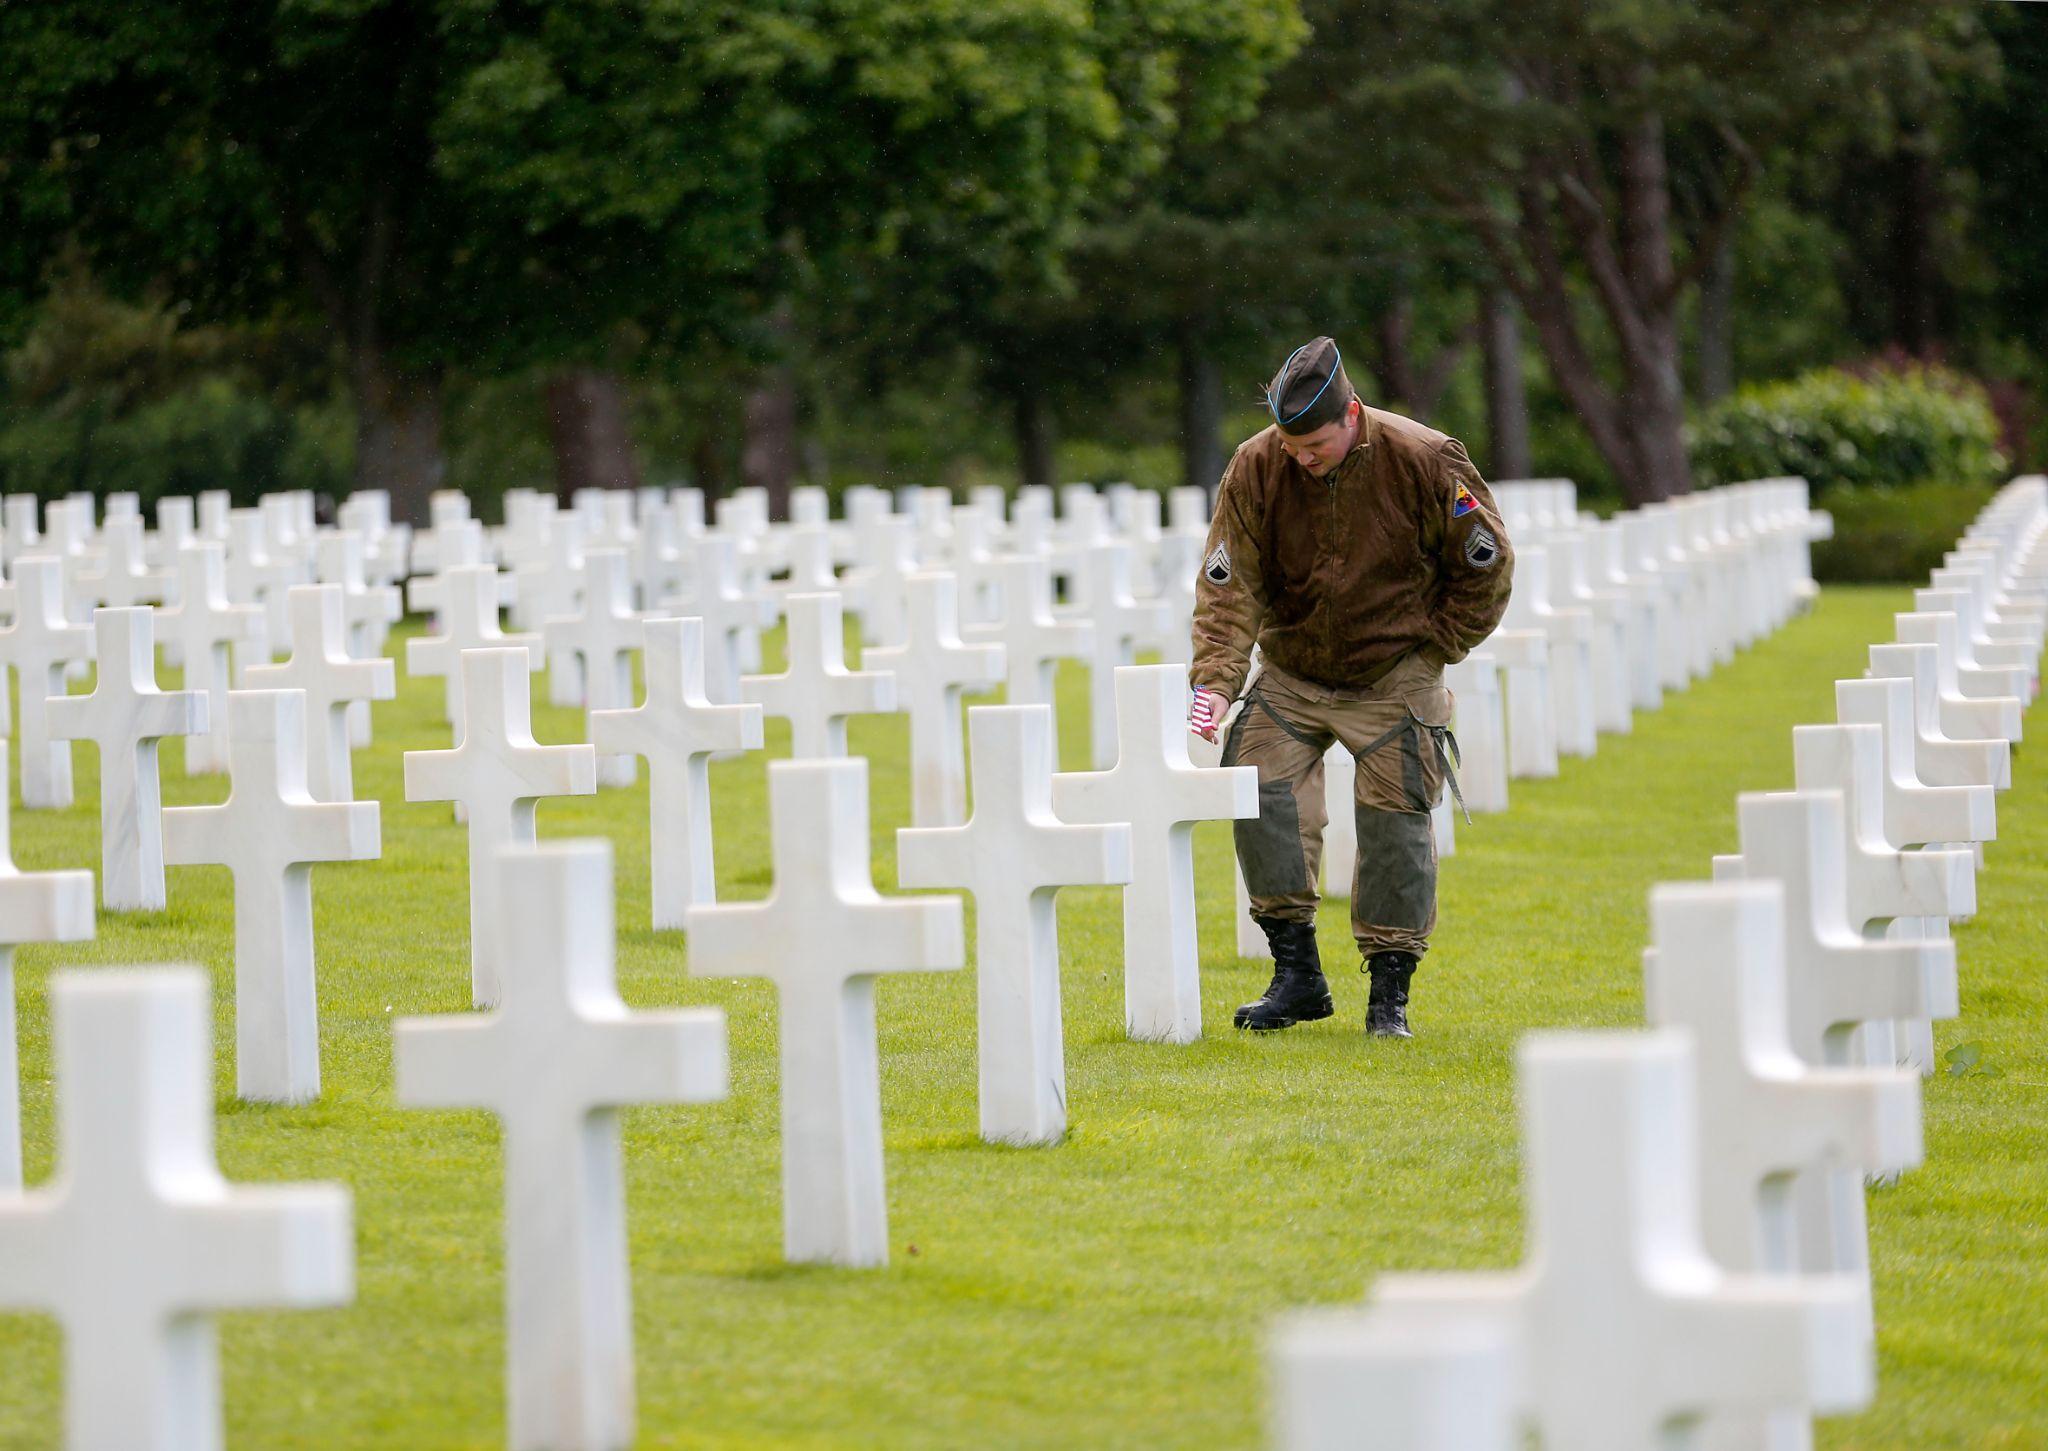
(1464,503)
(1216,568)
(1482,549)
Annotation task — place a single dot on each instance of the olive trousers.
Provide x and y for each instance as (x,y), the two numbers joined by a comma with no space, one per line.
(1398,728)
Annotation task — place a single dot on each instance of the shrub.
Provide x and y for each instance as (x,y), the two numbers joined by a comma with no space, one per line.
(209,435)
(1891,430)
(1894,536)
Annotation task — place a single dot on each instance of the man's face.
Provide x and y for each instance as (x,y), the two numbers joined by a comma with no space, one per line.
(1321,451)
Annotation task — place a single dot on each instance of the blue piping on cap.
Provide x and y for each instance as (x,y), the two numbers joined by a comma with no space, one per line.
(1319,392)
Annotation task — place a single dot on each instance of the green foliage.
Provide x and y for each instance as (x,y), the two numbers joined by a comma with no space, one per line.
(104,396)
(1895,535)
(212,435)
(1838,430)
(1966,1060)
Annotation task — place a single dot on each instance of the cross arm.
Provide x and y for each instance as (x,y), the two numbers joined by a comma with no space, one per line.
(1793,1340)
(666,1057)
(286,1244)
(336,831)
(188,834)
(46,906)
(440,1062)
(429,775)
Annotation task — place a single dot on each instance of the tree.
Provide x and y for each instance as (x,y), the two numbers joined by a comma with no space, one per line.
(463,184)
(1601,151)
(1141,273)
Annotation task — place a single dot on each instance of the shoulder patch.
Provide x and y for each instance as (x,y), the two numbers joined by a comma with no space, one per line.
(1216,568)
(1482,550)
(1464,503)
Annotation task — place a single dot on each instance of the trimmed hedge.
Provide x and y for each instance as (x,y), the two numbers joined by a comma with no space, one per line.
(1894,536)
(1838,431)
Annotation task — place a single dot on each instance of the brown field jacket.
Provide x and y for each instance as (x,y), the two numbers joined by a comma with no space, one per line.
(1337,579)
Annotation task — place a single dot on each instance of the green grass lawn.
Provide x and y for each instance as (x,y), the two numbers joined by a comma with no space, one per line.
(1113,1291)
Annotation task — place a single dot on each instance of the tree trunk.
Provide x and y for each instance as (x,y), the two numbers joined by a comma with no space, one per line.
(1655,390)
(1624,246)
(1036,446)
(1716,370)
(1201,412)
(1392,367)
(1507,399)
(1410,384)
(707,459)
(590,426)
(398,433)
(1916,271)
(768,453)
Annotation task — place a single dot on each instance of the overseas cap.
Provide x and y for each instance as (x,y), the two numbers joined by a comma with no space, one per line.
(1310,389)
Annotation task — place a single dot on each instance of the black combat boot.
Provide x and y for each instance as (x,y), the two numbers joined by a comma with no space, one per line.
(1298,992)
(1386,1011)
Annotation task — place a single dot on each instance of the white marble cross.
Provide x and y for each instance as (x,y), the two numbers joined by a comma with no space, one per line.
(1837,978)
(732,614)
(1941,759)
(933,669)
(1014,855)
(255,576)
(1475,686)
(810,563)
(1624,1332)
(1161,794)
(879,586)
(550,588)
(1525,665)
(1717,969)
(39,642)
(1119,622)
(1344,1379)
(125,716)
(602,636)
(555,1063)
(205,626)
(369,611)
(124,576)
(1033,639)
(138,1240)
(469,621)
(1903,893)
(495,773)
(678,730)
(457,544)
(34,907)
(1881,882)
(268,833)
(332,679)
(1915,811)
(822,936)
(816,693)
(1964,715)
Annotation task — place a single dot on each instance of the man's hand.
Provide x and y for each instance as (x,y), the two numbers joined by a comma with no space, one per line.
(1206,712)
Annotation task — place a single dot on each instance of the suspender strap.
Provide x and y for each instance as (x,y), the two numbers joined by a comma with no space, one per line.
(1260,701)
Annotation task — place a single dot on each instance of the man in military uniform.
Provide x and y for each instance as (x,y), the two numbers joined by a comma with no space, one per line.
(1362,552)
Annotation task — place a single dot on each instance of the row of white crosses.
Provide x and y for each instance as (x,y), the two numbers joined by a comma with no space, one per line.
(222,578)
(1698,1266)
(284,743)
(548,978)
(1607,616)
(1143,599)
